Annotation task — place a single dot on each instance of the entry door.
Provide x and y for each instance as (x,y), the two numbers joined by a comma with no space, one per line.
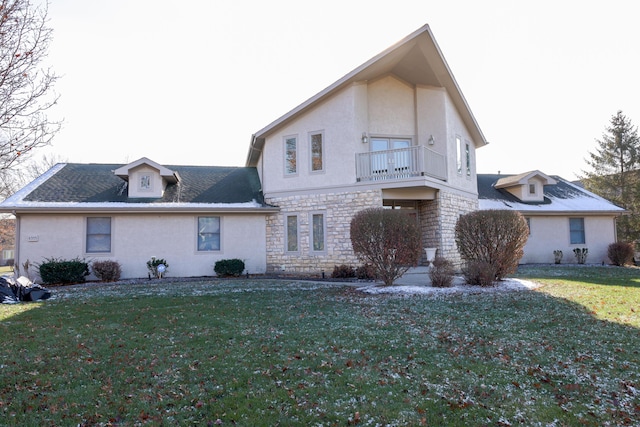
(384,161)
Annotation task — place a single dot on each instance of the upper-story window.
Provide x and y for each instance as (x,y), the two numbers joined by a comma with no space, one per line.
(467,157)
(317,152)
(290,155)
(459,155)
(145,182)
(532,189)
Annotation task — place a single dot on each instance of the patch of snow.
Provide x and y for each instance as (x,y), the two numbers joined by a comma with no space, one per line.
(502,286)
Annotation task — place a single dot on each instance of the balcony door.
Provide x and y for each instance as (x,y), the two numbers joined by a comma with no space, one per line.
(387,156)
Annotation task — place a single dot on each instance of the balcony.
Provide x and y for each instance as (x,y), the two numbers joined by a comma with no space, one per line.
(401,163)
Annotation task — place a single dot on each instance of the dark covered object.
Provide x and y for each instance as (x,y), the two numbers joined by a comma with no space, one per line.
(13,292)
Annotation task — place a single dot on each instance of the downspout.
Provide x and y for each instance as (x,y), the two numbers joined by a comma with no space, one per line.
(16,246)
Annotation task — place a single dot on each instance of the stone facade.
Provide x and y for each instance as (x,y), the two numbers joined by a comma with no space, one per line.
(337,208)
(437,222)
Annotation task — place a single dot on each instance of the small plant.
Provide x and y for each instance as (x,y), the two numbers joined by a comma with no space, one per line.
(229,267)
(107,270)
(581,254)
(480,273)
(55,270)
(441,273)
(557,256)
(620,253)
(157,267)
(343,272)
(366,272)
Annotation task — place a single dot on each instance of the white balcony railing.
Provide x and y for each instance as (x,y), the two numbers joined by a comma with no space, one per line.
(401,163)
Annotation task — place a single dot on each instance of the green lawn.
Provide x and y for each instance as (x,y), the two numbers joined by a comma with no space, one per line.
(268,352)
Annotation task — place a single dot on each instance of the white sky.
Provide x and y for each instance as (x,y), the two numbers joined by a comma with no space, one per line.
(189,82)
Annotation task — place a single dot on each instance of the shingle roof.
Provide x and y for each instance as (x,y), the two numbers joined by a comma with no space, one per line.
(560,197)
(94,184)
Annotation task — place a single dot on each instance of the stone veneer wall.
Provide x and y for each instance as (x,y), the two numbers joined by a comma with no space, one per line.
(338,209)
(438,222)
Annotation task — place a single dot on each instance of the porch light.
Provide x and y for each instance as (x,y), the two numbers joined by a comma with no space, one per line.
(431,140)
(365,138)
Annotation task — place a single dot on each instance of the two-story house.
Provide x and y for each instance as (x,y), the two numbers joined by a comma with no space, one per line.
(395,132)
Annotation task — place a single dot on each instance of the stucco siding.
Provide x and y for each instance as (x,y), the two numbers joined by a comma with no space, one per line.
(549,233)
(136,238)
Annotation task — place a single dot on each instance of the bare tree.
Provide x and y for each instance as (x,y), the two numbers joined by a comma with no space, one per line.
(12,180)
(26,89)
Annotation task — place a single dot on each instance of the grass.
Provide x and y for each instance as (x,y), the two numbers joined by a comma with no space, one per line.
(294,353)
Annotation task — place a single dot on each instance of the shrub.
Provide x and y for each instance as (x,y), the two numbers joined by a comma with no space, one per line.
(480,273)
(557,256)
(495,237)
(343,272)
(54,270)
(388,240)
(620,253)
(229,267)
(107,270)
(153,264)
(441,273)
(366,272)
(581,255)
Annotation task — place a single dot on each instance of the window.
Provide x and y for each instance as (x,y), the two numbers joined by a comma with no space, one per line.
(532,189)
(98,234)
(467,156)
(317,232)
(292,233)
(209,233)
(528,224)
(459,155)
(576,231)
(290,155)
(145,182)
(316,152)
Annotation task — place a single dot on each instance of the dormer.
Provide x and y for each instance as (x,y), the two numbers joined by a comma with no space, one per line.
(528,187)
(146,178)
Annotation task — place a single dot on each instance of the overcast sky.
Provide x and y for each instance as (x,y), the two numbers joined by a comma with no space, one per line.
(189,82)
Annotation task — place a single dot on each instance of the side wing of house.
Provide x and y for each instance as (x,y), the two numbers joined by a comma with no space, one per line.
(561,216)
(396,132)
(189,216)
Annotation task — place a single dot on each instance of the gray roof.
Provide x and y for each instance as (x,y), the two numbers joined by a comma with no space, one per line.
(563,197)
(75,185)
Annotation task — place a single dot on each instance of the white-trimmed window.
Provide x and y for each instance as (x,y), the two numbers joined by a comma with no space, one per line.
(459,155)
(532,189)
(208,233)
(98,235)
(576,231)
(467,157)
(291,224)
(145,182)
(317,151)
(290,155)
(318,235)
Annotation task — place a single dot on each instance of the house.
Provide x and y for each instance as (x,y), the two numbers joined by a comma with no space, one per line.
(191,216)
(561,215)
(395,132)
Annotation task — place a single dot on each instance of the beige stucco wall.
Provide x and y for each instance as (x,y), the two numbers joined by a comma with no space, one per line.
(136,238)
(549,233)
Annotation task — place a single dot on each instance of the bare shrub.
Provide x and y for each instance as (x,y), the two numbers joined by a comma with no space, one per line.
(343,271)
(107,270)
(441,273)
(480,273)
(495,237)
(388,240)
(366,272)
(620,253)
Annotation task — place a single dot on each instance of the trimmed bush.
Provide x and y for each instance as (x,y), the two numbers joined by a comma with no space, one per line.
(343,272)
(107,270)
(494,237)
(366,272)
(61,271)
(441,273)
(388,240)
(620,253)
(229,267)
(581,254)
(480,273)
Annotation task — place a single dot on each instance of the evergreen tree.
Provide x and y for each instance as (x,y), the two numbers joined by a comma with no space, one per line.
(615,173)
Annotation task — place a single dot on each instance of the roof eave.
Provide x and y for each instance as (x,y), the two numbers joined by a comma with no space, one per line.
(17,210)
